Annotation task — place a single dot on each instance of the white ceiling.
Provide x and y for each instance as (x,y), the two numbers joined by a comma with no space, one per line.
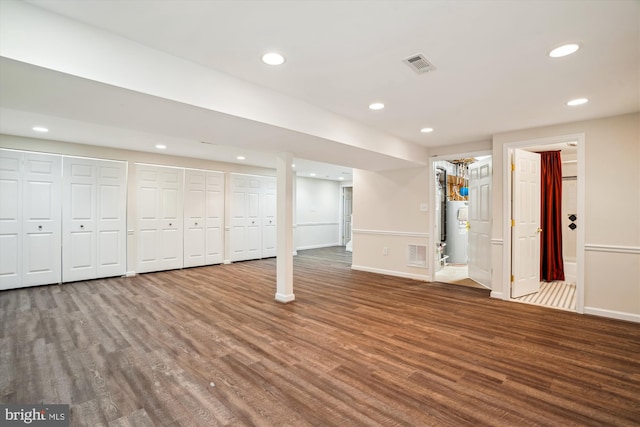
(493,73)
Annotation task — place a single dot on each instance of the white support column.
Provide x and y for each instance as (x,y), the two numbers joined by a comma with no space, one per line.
(284,260)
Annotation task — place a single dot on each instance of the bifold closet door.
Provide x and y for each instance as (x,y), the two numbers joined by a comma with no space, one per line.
(30,219)
(245,226)
(159,192)
(203,217)
(269,229)
(94,219)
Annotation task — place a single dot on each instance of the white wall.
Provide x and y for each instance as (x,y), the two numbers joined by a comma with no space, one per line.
(386,214)
(317,213)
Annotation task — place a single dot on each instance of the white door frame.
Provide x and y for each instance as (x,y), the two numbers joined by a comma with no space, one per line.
(506,210)
(432,194)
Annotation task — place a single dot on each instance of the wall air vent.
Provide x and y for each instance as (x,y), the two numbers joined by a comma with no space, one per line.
(416,255)
(419,63)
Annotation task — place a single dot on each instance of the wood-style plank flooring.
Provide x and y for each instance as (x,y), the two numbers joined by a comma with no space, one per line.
(210,346)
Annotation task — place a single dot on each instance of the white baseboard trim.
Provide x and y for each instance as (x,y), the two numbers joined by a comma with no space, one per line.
(285,298)
(325,245)
(497,295)
(620,315)
(129,274)
(391,233)
(421,277)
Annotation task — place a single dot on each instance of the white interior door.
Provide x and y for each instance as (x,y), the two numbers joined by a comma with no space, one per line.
(238,217)
(195,204)
(42,215)
(254,217)
(245,217)
(111,218)
(525,257)
(479,234)
(214,218)
(160,218)
(269,218)
(347,207)
(11,206)
(79,219)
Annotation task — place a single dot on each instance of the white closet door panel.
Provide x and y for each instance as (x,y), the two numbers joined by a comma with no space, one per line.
(148,194)
(160,218)
(254,242)
(10,262)
(171,249)
(111,219)
(79,219)
(111,253)
(148,242)
(239,206)
(149,203)
(170,204)
(194,246)
(10,219)
(269,219)
(214,213)
(237,242)
(253,206)
(238,218)
(42,219)
(194,218)
(214,245)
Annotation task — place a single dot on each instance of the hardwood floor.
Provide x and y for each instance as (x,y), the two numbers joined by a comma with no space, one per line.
(210,346)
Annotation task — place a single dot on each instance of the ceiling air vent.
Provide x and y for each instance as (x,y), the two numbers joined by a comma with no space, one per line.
(419,63)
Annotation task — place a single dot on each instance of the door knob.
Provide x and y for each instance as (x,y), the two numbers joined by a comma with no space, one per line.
(196,223)
(81,226)
(468,225)
(539,230)
(170,224)
(39,227)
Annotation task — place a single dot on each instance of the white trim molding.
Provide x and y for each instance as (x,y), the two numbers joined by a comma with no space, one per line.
(313,224)
(391,233)
(324,245)
(496,294)
(420,277)
(620,315)
(633,250)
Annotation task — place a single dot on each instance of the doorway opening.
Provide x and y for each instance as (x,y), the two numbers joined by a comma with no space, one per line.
(462,218)
(526,277)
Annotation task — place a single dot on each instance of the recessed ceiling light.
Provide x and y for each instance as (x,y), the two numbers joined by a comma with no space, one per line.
(161,146)
(426,130)
(577,101)
(40,129)
(293,165)
(273,58)
(564,50)
(376,106)
(341,178)
(241,157)
(312,174)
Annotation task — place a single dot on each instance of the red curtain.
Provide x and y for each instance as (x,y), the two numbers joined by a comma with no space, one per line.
(551,262)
